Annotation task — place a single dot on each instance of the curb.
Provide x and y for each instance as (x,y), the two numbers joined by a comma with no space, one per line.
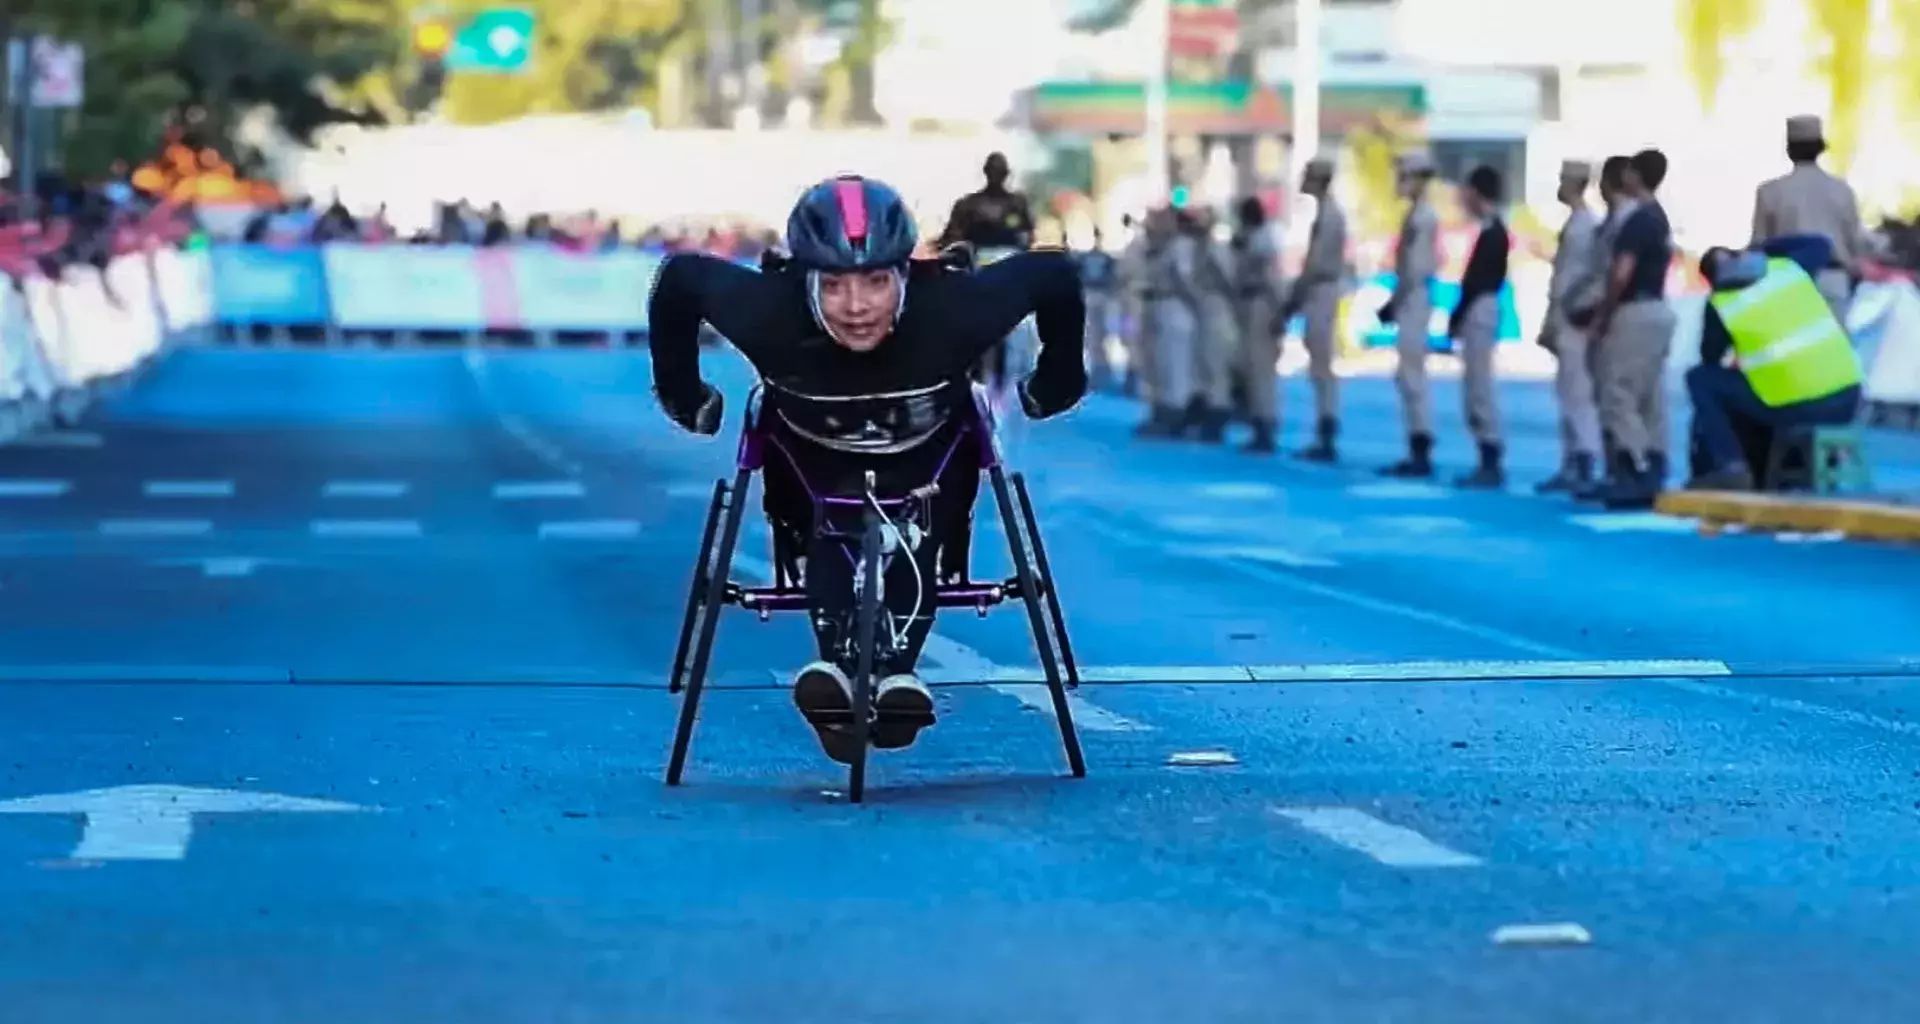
(1858,519)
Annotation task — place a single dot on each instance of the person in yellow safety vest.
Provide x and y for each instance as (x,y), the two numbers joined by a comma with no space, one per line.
(1772,354)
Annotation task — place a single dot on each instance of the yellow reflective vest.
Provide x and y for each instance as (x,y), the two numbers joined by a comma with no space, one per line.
(1790,345)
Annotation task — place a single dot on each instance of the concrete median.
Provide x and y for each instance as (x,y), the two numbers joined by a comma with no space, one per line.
(1862,519)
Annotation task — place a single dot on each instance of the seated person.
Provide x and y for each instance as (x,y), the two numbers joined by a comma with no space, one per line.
(866,353)
(1772,354)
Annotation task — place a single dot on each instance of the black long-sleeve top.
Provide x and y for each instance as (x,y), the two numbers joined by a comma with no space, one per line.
(1486,271)
(950,319)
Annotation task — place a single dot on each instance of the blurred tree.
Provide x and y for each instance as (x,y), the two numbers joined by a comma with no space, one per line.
(1372,151)
(152,63)
(588,55)
(1906,82)
(1843,28)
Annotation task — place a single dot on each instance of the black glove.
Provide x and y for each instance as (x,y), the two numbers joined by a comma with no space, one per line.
(1040,398)
(1386,313)
(703,418)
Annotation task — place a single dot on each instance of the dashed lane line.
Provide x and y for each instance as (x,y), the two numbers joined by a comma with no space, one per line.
(365,489)
(390,528)
(188,489)
(155,527)
(591,529)
(1385,842)
(34,488)
(535,490)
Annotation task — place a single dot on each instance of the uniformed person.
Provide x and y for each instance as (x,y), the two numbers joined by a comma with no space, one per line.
(1573,379)
(1316,293)
(1171,300)
(1138,333)
(1100,281)
(1218,343)
(1416,261)
(1475,325)
(1592,291)
(1635,326)
(1257,301)
(1807,201)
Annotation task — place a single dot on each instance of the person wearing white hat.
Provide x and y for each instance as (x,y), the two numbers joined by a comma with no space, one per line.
(1809,205)
(1416,261)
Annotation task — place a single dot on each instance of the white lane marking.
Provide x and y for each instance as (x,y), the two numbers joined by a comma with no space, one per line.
(1202,759)
(1831,714)
(1387,843)
(156,822)
(1506,639)
(963,663)
(366,528)
(364,489)
(1398,491)
(1240,492)
(689,489)
(62,439)
(1418,524)
(189,489)
(155,527)
(1472,671)
(539,489)
(1163,674)
(227,567)
(541,448)
(1254,553)
(1635,522)
(34,488)
(961,660)
(1565,933)
(592,529)
(1348,597)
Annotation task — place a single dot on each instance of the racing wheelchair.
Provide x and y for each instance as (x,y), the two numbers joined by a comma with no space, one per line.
(866,519)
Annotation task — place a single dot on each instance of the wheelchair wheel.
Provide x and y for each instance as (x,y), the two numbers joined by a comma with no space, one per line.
(867,637)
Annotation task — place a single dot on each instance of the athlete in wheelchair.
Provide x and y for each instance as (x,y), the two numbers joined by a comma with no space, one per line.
(870,440)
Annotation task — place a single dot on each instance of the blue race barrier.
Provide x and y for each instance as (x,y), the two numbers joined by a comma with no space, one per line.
(269,285)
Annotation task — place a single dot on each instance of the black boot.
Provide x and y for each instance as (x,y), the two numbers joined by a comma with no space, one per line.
(1488,475)
(1633,488)
(1211,424)
(1161,422)
(1322,449)
(1419,461)
(1657,469)
(1262,442)
(1575,475)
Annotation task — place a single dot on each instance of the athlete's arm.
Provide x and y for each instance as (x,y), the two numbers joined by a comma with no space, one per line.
(968,314)
(959,222)
(693,287)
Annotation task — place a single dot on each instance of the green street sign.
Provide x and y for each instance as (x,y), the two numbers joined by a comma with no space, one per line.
(499,40)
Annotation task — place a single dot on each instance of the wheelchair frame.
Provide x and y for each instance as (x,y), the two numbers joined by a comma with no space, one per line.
(712,589)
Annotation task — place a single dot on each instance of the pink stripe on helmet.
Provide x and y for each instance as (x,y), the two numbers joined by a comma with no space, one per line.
(852,194)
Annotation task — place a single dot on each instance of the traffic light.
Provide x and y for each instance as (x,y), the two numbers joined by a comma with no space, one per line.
(432,39)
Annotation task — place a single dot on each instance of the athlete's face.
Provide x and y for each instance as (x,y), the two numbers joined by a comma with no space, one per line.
(859,307)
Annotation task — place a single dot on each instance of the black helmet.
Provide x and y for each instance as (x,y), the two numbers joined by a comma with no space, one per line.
(851,223)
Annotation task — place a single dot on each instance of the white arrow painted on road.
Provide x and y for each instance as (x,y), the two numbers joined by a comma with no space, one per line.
(154,822)
(224,567)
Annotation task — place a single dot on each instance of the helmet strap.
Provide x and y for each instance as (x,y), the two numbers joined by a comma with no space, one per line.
(813,299)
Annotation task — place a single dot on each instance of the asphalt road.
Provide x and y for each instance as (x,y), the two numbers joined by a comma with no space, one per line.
(433,596)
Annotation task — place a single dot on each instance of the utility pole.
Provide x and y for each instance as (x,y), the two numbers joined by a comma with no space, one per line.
(1160,23)
(26,159)
(1306,88)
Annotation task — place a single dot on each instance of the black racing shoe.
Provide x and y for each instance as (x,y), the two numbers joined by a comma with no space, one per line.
(902,706)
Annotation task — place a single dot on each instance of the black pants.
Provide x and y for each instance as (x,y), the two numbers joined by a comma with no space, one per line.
(1725,407)
(832,550)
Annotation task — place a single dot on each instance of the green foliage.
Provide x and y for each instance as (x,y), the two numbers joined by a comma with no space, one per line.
(1706,28)
(149,63)
(1372,152)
